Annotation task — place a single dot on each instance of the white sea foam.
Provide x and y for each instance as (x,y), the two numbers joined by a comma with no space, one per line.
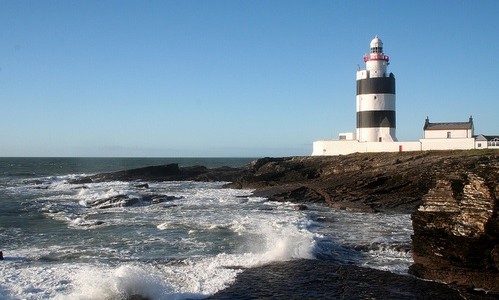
(195,277)
(91,282)
(206,275)
(188,248)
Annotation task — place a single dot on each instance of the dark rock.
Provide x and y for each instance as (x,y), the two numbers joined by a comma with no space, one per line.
(320,279)
(1,255)
(301,207)
(369,182)
(159,198)
(170,172)
(84,180)
(126,201)
(45,187)
(142,186)
(136,297)
(300,194)
(156,173)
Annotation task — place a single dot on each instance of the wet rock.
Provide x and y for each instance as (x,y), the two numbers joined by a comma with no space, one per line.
(155,199)
(136,297)
(170,172)
(142,186)
(301,207)
(300,194)
(127,201)
(156,173)
(45,187)
(1,255)
(322,279)
(84,180)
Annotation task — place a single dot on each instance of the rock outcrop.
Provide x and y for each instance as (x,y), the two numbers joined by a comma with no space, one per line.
(170,172)
(360,182)
(456,228)
(127,200)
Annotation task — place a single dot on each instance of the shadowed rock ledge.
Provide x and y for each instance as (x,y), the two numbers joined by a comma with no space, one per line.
(318,279)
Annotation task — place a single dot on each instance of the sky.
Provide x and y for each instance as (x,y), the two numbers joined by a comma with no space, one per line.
(232,78)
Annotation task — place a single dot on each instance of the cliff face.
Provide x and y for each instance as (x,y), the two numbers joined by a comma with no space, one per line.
(456,228)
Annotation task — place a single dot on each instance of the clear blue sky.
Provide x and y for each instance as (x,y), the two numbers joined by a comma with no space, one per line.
(232,78)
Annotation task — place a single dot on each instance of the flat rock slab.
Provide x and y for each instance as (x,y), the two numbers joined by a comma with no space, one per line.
(320,279)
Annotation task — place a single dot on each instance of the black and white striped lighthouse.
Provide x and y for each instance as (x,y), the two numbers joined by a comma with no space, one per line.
(375,98)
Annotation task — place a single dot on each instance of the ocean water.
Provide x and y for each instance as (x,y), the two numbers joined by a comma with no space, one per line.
(56,245)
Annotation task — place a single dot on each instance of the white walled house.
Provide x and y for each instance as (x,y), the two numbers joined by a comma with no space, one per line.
(487,142)
(448,130)
(448,136)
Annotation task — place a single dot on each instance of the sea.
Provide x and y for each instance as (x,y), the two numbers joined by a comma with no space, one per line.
(57,245)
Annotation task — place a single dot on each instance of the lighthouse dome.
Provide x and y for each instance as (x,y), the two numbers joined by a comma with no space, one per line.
(376,45)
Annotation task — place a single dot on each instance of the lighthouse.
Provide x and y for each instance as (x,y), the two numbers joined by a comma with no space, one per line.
(375,100)
(375,132)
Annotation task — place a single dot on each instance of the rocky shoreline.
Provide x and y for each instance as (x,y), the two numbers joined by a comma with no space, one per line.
(453,197)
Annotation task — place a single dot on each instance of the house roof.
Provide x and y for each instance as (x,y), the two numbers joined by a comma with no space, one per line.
(483,137)
(448,125)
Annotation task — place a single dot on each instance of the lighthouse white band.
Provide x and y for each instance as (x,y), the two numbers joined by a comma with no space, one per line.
(376,134)
(375,102)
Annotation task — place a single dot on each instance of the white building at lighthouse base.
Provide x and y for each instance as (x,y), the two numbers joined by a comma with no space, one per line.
(437,136)
(343,147)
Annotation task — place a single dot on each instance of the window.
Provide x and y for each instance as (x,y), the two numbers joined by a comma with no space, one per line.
(448,134)
(479,145)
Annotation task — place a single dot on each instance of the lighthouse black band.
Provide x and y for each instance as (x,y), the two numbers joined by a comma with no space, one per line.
(376,118)
(378,85)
